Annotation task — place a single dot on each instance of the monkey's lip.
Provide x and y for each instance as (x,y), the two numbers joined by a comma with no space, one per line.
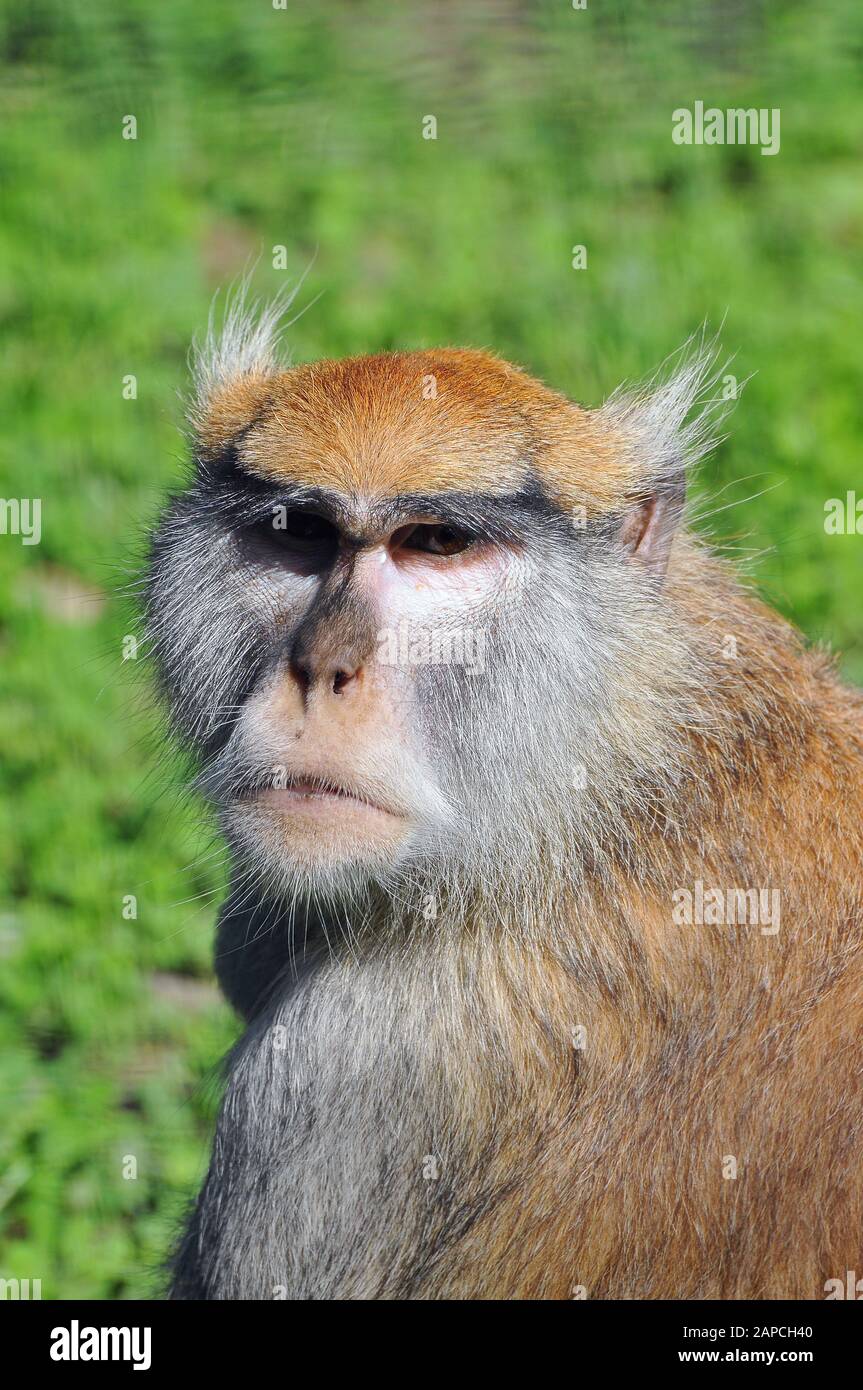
(309,796)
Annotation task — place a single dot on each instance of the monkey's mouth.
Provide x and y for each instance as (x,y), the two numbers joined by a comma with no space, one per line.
(316,797)
(318,828)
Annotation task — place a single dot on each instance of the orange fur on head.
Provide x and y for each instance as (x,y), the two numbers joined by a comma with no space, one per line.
(452,419)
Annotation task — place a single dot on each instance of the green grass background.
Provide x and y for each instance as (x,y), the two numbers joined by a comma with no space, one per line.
(302,127)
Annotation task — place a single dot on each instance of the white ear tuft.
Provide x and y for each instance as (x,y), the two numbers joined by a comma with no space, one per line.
(243,342)
(672,420)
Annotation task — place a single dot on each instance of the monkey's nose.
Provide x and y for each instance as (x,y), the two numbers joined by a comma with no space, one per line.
(332,678)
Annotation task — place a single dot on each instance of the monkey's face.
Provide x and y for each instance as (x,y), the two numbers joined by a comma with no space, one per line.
(340,664)
(379,615)
(379,627)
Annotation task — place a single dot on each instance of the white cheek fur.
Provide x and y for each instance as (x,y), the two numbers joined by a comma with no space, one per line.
(430,592)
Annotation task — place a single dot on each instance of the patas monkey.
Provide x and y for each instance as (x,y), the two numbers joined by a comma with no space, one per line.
(546,911)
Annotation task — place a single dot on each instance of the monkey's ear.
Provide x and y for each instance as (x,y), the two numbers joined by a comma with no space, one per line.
(660,430)
(648,527)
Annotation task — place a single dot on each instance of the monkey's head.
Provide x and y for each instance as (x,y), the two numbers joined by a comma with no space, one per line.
(412,612)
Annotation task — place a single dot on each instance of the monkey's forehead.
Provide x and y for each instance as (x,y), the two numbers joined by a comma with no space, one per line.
(444,420)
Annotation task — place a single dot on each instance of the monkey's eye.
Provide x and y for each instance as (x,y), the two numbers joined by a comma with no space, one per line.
(302,533)
(438,539)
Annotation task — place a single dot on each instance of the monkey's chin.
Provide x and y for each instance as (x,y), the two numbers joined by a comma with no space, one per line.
(320,842)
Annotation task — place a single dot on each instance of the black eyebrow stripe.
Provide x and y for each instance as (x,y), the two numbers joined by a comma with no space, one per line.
(243,500)
(495,515)
(239,498)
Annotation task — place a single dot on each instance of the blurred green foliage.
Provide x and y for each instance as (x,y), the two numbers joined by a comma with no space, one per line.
(302,127)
